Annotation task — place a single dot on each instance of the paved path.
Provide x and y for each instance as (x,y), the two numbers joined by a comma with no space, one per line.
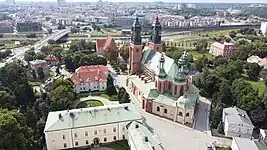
(174,135)
(202,116)
(101,99)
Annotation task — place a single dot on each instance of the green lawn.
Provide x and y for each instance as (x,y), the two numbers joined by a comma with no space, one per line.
(32,83)
(90,103)
(105,96)
(51,74)
(198,55)
(257,85)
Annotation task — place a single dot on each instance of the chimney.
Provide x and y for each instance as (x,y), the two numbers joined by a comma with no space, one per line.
(146,139)
(59,116)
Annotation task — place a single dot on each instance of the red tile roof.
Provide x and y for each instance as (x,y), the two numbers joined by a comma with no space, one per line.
(51,58)
(87,74)
(106,45)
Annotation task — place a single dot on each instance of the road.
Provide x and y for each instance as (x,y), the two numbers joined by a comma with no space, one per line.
(202,116)
(19,52)
(173,135)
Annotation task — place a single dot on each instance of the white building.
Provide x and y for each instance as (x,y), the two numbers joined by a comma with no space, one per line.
(237,123)
(260,61)
(90,127)
(263,28)
(90,78)
(246,144)
(263,135)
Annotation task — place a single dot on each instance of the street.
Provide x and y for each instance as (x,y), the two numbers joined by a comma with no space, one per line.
(173,135)
(202,117)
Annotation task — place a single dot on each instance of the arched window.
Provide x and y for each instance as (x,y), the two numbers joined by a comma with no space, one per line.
(180,114)
(187,114)
(165,111)
(182,90)
(158,109)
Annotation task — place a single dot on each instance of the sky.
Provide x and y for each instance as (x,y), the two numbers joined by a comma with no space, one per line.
(184,1)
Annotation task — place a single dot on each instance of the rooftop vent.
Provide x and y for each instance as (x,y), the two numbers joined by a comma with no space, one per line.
(59,116)
(136,126)
(146,139)
(72,115)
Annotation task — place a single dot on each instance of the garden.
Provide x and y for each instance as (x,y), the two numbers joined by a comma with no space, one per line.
(90,103)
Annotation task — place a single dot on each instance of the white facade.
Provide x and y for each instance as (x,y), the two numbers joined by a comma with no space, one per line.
(86,136)
(93,86)
(88,126)
(247,144)
(263,28)
(236,123)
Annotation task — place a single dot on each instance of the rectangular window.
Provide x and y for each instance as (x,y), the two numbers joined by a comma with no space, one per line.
(86,133)
(114,129)
(76,143)
(114,138)
(65,145)
(95,132)
(63,136)
(75,135)
(105,131)
(123,137)
(86,142)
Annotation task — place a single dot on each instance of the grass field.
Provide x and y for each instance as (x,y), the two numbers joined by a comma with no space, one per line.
(198,55)
(32,83)
(257,85)
(90,103)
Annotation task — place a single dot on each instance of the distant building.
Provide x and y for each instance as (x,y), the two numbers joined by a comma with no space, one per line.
(246,144)
(52,60)
(237,123)
(225,49)
(36,64)
(6,27)
(90,78)
(28,26)
(10,2)
(107,47)
(61,2)
(90,127)
(264,28)
(260,61)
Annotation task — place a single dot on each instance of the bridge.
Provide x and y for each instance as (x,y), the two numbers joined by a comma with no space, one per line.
(19,52)
(55,36)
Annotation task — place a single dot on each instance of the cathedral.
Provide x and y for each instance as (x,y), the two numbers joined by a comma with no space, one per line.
(162,86)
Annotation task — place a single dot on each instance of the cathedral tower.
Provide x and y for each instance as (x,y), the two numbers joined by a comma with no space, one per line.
(155,39)
(135,53)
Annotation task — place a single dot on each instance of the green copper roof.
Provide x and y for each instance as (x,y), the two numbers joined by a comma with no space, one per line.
(189,101)
(161,73)
(153,93)
(180,75)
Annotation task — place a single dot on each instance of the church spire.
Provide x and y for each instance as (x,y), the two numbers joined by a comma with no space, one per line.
(156,32)
(136,32)
(161,72)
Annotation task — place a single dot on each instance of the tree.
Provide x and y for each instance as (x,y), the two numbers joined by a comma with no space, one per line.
(51,42)
(249,102)
(6,100)
(62,82)
(40,73)
(202,45)
(121,93)
(31,35)
(232,34)
(253,70)
(34,74)
(29,55)
(39,55)
(14,133)
(61,97)
(125,98)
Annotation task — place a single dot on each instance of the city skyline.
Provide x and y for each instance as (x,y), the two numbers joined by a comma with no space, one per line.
(173,1)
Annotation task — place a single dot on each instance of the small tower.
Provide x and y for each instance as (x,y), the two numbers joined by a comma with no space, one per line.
(162,75)
(180,81)
(155,39)
(135,53)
